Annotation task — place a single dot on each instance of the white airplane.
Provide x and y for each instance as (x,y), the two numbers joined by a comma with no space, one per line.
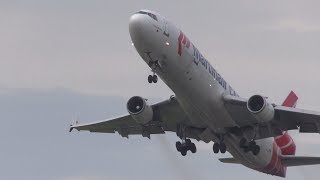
(205,107)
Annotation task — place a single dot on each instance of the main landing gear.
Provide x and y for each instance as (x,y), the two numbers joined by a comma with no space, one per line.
(153,78)
(249,146)
(219,146)
(185,146)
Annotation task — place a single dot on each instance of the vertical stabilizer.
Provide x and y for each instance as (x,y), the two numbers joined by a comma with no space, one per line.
(285,142)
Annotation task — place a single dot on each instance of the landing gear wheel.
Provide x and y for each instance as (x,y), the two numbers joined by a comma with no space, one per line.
(150,78)
(188,142)
(251,145)
(186,145)
(246,149)
(154,78)
(193,148)
(223,148)
(256,150)
(178,146)
(183,152)
(243,142)
(216,148)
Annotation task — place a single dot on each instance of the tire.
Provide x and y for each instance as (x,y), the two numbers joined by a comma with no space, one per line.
(223,148)
(246,149)
(155,78)
(188,142)
(256,150)
(216,148)
(193,148)
(183,152)
(251,145)
(150,78)
(242,142)
(178,146)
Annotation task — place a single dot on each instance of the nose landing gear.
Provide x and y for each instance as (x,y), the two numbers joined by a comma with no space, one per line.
(154,65)
(219,146)
(153,78)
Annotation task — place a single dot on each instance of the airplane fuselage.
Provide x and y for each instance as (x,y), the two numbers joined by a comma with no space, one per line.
(198,87)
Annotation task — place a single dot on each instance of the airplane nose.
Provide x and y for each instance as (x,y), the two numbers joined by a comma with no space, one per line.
(138,28)
(135,23)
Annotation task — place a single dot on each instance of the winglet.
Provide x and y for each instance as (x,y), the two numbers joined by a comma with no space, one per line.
(71,128)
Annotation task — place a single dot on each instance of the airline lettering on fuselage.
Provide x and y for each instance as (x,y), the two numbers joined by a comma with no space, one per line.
(198,57)
(204,62)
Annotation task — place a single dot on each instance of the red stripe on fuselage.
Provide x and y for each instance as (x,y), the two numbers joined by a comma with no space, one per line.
(180,43)
(285,142)
(275,166)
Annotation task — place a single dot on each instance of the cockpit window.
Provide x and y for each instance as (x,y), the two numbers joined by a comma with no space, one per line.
(149,14)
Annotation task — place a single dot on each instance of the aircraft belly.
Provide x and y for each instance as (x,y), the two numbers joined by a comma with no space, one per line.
(199,95)
(206,95)
(256,162)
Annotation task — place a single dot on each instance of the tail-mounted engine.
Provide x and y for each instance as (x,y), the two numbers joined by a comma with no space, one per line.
(261,109)
(140,111)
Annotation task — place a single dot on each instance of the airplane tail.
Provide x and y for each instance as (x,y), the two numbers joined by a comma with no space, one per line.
(285,141)
(287,145)
(289,161)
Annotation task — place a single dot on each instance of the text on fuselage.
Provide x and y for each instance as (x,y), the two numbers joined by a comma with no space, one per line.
(198,57)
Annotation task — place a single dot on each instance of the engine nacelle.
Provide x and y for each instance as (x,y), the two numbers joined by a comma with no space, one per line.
(260,108)
(140,111)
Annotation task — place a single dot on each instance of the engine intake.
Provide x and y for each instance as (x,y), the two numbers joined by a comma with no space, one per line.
(140,111)
(260,108)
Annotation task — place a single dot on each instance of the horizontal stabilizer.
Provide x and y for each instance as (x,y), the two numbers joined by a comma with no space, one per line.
(289,161)
(229,160)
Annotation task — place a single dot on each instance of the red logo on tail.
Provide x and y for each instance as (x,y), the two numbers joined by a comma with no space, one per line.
(285,142)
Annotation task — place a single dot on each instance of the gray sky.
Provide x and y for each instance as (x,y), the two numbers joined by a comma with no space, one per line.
(58,58)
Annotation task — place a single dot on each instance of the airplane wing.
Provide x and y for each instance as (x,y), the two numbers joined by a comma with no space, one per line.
(166,116)
(230,160)
(124,125)
(290,161)
(285,118)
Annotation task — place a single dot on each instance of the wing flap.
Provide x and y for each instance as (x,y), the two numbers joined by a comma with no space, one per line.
(290,161)
(290,118)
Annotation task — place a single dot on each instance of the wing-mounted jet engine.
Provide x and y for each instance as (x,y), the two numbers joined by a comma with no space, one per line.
(140,111)
(260,108)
